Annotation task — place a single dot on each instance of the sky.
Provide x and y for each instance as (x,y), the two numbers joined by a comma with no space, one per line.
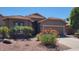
(58,12)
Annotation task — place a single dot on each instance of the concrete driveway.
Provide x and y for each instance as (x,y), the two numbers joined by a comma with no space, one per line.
(71,42)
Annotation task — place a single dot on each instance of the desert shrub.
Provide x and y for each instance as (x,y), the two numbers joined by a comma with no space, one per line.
(24,30)
(47,31)
(4,31)
(48,38)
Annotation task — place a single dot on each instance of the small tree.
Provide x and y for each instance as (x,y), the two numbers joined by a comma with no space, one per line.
(74,18)
(4,31)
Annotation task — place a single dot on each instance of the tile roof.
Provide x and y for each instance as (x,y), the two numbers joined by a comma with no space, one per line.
(32,17)
(18,17)
(37,15)
(53,19)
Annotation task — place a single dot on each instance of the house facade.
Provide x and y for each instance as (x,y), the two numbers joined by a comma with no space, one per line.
(37,21)
(54,24)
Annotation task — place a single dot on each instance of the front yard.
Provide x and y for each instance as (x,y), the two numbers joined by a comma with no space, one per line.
(32,45)
(69,43)
(46,40)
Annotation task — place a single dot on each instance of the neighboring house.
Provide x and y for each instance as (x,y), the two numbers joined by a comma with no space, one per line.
(54,24)
(37,21)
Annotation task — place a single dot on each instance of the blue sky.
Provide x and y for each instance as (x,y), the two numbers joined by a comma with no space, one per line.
(58,12)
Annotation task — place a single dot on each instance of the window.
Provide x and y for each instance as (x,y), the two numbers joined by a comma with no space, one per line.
(19,23)
(16,24)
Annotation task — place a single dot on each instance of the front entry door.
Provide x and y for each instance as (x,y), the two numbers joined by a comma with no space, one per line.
(36,27)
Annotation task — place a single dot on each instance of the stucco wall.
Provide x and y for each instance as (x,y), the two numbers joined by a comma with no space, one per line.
(1,21)
(54,25)
(11,23)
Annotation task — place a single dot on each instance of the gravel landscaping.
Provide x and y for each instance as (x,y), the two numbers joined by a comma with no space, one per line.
(31,45)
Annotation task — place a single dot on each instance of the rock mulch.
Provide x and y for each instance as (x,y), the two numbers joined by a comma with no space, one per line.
(31,45)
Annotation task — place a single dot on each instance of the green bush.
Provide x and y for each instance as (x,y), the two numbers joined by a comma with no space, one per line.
(4,31)
(16,28)
(48,38)
(77,33)
(26,30)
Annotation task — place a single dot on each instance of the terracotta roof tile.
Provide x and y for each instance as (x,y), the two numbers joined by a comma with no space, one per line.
(53,19)
(36,15)
(18,17)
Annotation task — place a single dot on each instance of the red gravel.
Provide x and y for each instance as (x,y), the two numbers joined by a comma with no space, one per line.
(32,45)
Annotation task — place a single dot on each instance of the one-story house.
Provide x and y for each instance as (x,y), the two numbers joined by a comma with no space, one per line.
(37,21)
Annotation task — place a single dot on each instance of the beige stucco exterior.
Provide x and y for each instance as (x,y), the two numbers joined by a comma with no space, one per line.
(57,25)
(1,21)
(11,22)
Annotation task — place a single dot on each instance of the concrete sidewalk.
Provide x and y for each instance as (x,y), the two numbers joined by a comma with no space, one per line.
(73,43)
